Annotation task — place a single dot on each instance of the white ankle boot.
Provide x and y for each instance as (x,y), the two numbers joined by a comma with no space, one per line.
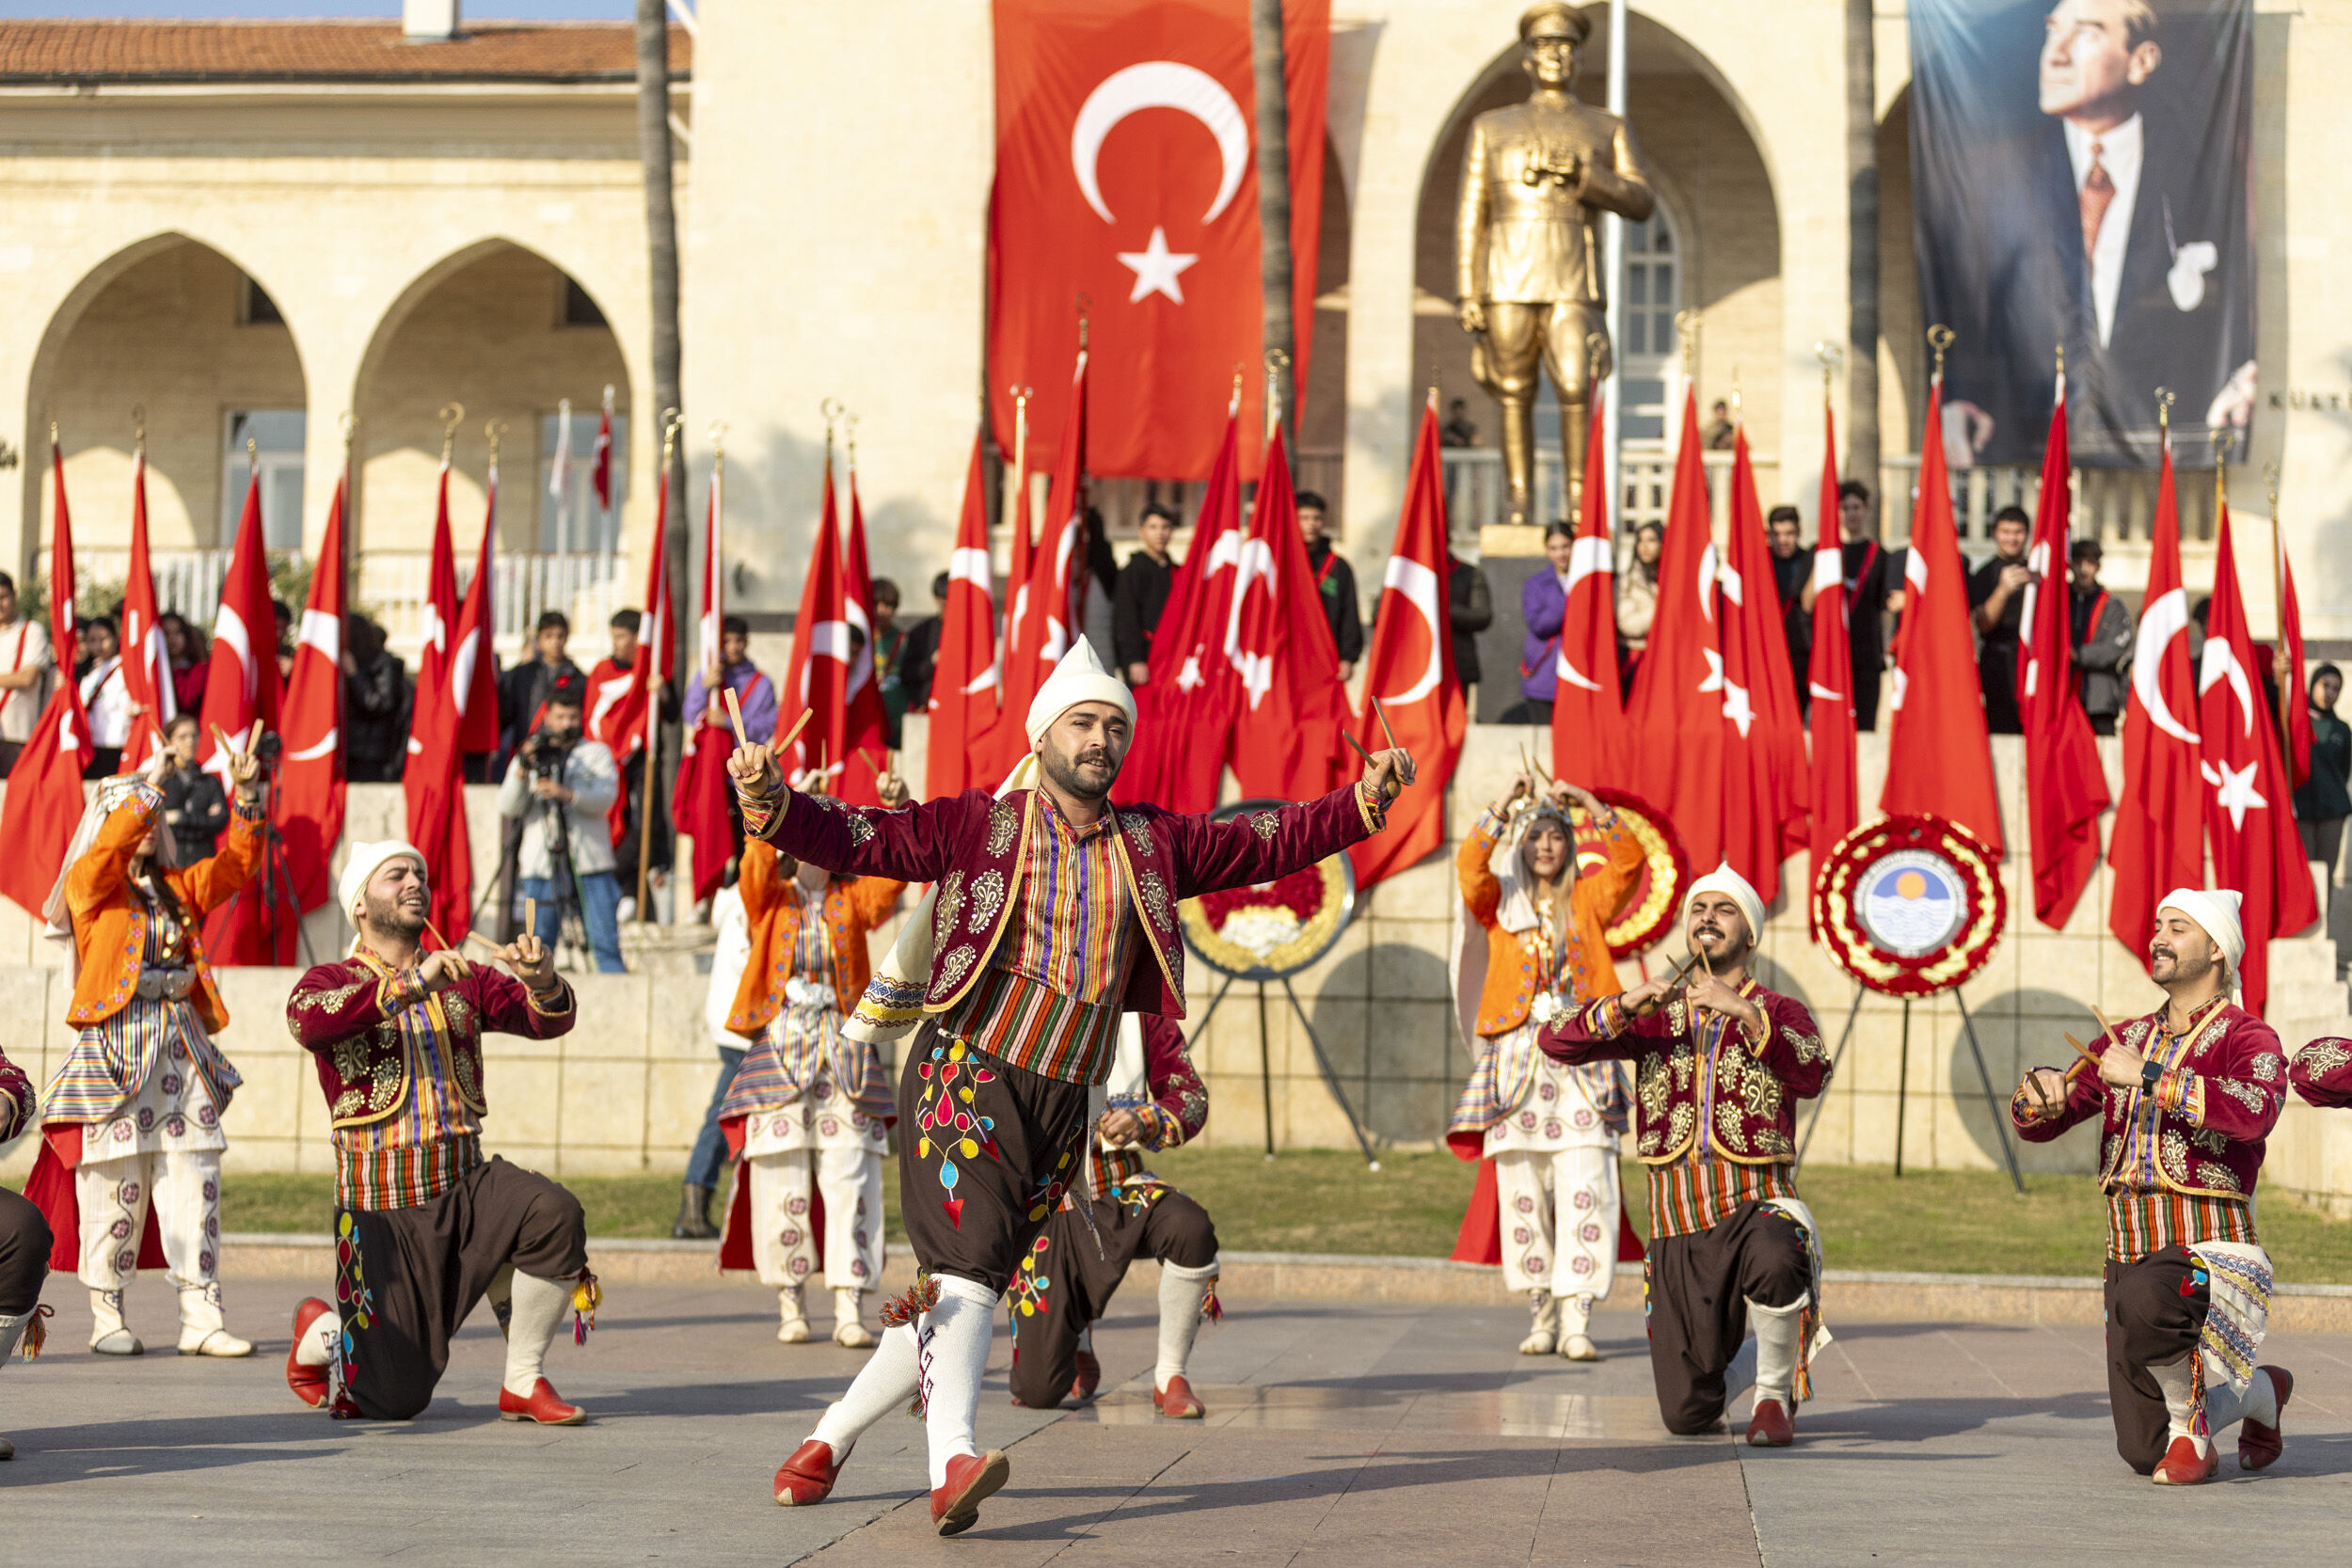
(791,1322)
(201,1327)
(1575,1343)
(1544,1323)
(848,1331)
(108,1335)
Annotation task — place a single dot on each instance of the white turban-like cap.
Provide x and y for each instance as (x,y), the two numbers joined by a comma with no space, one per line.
(2216,911)
(1724,879)
(366,860)
(1078,678)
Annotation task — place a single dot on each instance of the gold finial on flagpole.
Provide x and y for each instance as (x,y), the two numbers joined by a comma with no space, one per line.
(1596,355)
(138,430)
(1739,409)
(1085,302)
(2060,347)
(2270,482)
(252,458)
(671,421)
(1276,362)
(1232,405)
(848,439)
(1831,356)
(347,422)
(2164,413)
(1687,328)
(719,447)
(1939,339)
(451,416)
(494,429)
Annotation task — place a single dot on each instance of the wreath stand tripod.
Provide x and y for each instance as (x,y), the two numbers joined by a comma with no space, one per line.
(1265,1061)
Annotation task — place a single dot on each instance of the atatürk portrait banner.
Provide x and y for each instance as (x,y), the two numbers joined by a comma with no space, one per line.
(2082,174)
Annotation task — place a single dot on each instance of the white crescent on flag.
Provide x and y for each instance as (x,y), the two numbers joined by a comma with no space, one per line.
(1418,585)
(1587,557)
(2164,618)
(2220,664)
(1160,84)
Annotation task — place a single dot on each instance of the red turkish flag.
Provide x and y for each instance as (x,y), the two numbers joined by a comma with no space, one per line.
(600,468)
(817,678)
(701,806)
(146,659)
(456,693)
(963,676)
(43,797)
(1589,744)
(1676,714)
(1126,174)
(1835,799)
(1285,742)
(240,693)
(2065,787)
(2249,824)
(1939,757)
(473,665)
(864,728)
(1764,788)
(626,701)
(310,781)
(1040,627)
(2294,692)
(2159,842)
(1410,667)
(1185,710)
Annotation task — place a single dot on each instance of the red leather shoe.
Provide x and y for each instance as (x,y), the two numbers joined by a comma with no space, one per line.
(2259,1446)
(1178,1401)
(308,1383)
(1770,1426)
(971,1478)
(2181,1467)
(1089,1376)
(544,1406)
(808,1476)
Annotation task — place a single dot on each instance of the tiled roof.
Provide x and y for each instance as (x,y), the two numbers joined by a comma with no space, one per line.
(323,51)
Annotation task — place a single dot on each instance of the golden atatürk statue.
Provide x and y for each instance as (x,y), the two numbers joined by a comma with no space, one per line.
(1530,288)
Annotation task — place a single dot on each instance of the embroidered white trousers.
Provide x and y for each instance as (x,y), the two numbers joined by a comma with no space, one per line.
(1559,1220)
(784,1242)
(183,1186)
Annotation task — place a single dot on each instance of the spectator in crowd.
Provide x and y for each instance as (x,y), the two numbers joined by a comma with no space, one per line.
(25,665)
(2326,799)
(1142,593)
(1996,594)
(107,698)
(1542,606)
(707,1162)
(1470,610)
(920,656)
(1458,431)
(83,657)
(607,684)
(377,701)
(1335,579)
(1637,600)
(1867,570)
(1721,431)
(196,808)
(1792,575)
(2102,632)
(558,788)
(889,647)
(283,615)
(524,690)
(754,693)
(184,650)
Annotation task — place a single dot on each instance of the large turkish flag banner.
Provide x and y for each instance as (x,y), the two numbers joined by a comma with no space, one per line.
(1125,173)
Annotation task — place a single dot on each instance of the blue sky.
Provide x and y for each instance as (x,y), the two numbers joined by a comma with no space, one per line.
(564,10)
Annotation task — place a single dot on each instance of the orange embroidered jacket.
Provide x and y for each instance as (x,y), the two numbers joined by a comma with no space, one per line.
(776,906)
(1594,900)
(110,919)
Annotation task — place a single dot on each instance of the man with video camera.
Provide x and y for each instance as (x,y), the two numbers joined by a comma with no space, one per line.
(564,783)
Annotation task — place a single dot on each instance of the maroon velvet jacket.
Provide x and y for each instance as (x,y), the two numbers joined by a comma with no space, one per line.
(338,1014)
(974,846)
(1178,1106)
(1743,1090)
(2232,1079)
(16,1099)
(2321,1073)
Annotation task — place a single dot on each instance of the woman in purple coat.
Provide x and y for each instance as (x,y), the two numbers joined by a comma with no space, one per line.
(1543,604)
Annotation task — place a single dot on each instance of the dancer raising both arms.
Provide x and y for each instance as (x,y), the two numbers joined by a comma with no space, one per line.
(1718,1066)
(2185,1098)
(1054,915)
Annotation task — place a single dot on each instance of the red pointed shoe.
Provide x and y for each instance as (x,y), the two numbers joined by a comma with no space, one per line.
(544,1406)
(972,1479)
(2259,1446)
(1089,1376)
(1178,1401)
(308,1383)
(1770,1426)
(2180,1465)
(808,1476)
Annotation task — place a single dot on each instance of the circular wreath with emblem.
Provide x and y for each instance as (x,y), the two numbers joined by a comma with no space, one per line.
(1666,868)
(1911,905)
(1270,929)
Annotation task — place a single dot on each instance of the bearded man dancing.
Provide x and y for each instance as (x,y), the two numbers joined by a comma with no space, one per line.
(1052,915)
(1551,1131)
(135,1113)
(2187,1097)
(424,1226)
(1720,1063)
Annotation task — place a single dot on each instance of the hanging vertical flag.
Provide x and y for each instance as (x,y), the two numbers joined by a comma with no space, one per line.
(440,613)
(241,702)
(1589,744)
(473,665)
(816,677)
(600,468)
(866,727)
(1834,799)
(145,657)
(2294,709)
(1285,740)
(1409,667)
(702,804)
(559,476)
(311,780)
(2159,842)
(1043,615)
(963,675)
(1763,788)
(2249,824)
(43,798)
(432,784)
(1676,715)
(1939,755)
(630,720)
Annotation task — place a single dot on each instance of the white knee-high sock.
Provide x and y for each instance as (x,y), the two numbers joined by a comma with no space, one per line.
(884,1384)
(2179,1409)
(1777,1331)
(1182,1294)
(2226,1407)
(538,1311)
(317,1346)
(954,1344)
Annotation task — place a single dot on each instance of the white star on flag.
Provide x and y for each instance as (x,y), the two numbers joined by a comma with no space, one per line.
(1714,681)
(1737,707)
(1157,268)
(2234,790)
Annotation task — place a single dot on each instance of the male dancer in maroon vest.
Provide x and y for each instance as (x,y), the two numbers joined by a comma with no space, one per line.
(1054,915)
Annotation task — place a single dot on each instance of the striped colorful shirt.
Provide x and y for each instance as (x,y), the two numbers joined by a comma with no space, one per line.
(1050,1002)
(1686,1198)
(2178,1090)
(415,1154)
(2141,1221)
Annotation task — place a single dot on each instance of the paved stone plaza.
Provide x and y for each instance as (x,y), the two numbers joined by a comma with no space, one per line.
(1371,1434)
